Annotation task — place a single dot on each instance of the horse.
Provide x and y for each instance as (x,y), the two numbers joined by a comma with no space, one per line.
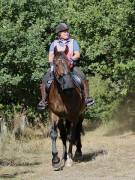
(66,108)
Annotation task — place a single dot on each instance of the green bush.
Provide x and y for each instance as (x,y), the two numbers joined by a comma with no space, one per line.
(104,29)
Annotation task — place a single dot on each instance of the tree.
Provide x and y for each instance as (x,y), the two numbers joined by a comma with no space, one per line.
(104,29)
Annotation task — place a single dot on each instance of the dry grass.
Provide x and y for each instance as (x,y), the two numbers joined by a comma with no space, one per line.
(21,157)
(120,125)
(105,157)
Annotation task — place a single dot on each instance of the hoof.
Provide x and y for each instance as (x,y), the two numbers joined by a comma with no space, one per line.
(57,167)
(56,164)
(78,156)
(69,162)
(62,164)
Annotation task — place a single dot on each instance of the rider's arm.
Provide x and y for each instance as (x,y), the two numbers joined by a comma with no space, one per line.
(51,57)
(76,50)
(76,55)
(51,53)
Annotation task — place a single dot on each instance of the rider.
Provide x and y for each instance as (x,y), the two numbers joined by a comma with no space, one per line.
(62,31)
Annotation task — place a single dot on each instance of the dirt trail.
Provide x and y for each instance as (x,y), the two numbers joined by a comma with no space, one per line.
(104,158)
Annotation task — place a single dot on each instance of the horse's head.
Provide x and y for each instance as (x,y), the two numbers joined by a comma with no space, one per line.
(62,70)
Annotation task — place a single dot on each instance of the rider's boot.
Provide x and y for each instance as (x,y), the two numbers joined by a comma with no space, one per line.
(43,103)
(88,100)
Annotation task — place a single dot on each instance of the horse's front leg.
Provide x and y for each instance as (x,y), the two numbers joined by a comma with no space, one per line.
(54,134)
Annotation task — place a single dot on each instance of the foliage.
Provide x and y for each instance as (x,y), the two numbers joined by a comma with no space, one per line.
(104,29)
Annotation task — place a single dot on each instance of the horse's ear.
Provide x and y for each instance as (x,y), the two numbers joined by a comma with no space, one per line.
(55,50)
(66,50)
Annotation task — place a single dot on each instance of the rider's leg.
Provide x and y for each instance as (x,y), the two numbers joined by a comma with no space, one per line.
(43,92)
(47,77)
(88,100)
(43,103)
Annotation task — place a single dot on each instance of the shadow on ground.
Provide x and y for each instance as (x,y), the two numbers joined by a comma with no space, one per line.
(8,162)
(5,176)
(91,156)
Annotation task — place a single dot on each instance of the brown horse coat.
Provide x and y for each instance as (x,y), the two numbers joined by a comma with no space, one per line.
(68,105)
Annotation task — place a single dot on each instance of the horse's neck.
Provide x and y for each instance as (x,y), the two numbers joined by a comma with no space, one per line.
(55,90)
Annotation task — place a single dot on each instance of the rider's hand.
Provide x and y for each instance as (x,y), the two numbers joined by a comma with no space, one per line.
(72,63)
(52,66)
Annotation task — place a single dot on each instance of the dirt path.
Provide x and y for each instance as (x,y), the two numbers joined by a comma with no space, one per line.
(104,158)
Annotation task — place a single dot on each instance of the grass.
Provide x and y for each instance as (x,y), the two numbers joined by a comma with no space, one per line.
(30,158)
(21,157)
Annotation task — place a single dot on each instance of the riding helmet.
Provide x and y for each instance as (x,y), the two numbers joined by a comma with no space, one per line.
(61,27)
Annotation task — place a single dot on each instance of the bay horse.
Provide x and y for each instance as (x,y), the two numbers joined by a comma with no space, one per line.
(66,108)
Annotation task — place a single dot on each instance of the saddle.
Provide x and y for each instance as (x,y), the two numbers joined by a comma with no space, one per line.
(76,79)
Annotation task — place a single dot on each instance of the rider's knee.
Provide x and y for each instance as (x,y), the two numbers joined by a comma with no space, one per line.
(78,72)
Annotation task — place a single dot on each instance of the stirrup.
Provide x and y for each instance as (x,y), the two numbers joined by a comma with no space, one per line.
(89,101)
(42,105)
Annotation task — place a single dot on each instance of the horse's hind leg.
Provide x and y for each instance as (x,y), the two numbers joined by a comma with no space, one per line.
(63,135)
(78,152)
(71,138)
(55,159)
